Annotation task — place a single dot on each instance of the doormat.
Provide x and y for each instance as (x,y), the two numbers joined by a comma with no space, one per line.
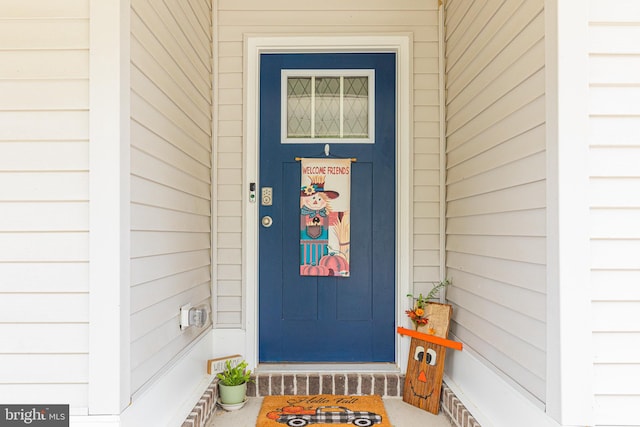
(322,410)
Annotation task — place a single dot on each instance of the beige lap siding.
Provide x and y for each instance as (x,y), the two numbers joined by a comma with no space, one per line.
(44,220)
(496,235)
(614,62)
(170,177)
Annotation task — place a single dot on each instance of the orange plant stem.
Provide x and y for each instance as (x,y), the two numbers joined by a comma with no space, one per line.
(430,338)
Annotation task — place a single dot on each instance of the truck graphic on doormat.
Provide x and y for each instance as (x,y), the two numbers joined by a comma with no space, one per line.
(325,415)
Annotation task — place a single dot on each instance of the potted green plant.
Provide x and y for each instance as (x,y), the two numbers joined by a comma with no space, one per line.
(233,383)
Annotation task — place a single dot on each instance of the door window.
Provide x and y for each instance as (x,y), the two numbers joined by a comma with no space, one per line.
(321,106)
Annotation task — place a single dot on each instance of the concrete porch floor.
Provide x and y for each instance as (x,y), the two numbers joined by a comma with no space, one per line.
(400,414)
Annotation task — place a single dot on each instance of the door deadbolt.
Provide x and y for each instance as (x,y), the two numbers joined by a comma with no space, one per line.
(267,196)
(267,221)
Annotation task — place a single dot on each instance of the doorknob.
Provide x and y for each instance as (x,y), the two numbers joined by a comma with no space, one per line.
(267,221)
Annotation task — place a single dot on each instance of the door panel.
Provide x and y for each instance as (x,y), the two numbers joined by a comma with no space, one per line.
(328,319)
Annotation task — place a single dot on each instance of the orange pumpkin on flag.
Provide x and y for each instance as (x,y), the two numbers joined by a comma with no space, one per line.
(315,270)
(337,263)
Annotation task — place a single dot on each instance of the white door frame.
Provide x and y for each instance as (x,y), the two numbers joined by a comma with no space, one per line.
(401,44)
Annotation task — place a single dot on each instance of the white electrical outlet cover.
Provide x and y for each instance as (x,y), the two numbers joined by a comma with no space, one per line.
(184,316)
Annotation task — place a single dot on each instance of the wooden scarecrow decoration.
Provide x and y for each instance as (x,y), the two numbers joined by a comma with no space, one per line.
(429,343)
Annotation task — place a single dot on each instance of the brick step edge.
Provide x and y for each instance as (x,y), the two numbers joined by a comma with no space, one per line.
(455,410)
(386,385)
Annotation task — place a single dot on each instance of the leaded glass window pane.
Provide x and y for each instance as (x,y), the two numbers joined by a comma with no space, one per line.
(356,107)
(299,107)
(327,106)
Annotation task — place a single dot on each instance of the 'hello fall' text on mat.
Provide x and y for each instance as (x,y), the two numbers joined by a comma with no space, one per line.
(322,410)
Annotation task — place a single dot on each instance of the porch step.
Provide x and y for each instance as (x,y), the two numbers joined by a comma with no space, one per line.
(383,384)
(275,384)
(390,385)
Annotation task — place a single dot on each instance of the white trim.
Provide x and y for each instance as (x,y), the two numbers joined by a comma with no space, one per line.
(490,399)
(284,113)
(254,46)
(442,75)
(94,420)
(170,401)
(569,393)
(215,63)
(300,368)
(109,223)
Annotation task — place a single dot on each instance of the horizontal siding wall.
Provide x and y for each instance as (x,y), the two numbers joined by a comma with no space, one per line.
(170,177)
(496,222)
(614,65)
(44,304)
(234,19)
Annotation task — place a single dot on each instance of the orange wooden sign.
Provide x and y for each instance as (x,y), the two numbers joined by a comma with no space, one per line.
(430,338)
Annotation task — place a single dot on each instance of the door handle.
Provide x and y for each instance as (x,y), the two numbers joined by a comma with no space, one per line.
(266,221)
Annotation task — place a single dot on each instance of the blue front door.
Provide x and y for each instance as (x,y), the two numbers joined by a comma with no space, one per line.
(328,319)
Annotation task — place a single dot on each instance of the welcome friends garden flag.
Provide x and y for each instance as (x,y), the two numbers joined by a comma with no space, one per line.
(325,222)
